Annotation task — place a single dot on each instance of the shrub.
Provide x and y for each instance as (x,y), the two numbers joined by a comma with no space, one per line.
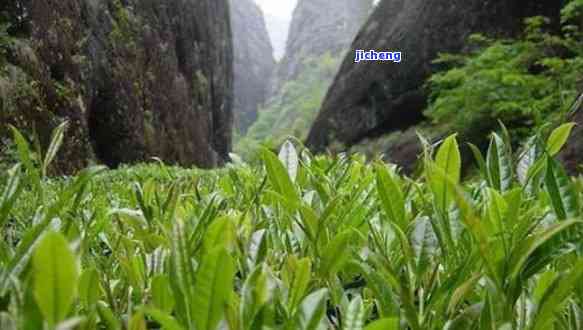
(525,83)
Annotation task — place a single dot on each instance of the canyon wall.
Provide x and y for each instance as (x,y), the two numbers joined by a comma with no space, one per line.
(254,61)
(135,79)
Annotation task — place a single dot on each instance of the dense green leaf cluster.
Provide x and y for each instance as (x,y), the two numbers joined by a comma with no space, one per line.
(297,242)
(525,82)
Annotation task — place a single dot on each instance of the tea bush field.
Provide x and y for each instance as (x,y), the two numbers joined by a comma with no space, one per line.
(296,242)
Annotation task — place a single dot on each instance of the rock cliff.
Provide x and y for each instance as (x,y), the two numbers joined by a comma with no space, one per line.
(135,78)
(319,27)
(254,62)
(369,98)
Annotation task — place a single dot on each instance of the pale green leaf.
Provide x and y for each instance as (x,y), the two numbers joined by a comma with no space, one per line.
(564,199)
(279,177)
(301,279)
(289,157)
(555,296)
(391,196)
(449,159)
(336,253)
(213,288)
(56,142)
(89,288)
(499,164)
(55,277)
(167,321)
(162,295)
(354,319)
(384,324)
(558,138)
(312,310)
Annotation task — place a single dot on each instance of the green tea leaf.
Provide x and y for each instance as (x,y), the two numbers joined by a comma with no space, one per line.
(564,198)
(424,243)
(212,291)
(279,177)
(220,233)
(384,324)
(289,157)
(354,319)
(499,164)
(448,164)
(89,289)
(255,295)
(301,279)
(527,247)
(182,273)
(162,296)
(107,317)
(558,138)
(137,322)
(11,192)
(555,296)
(56,142)
(166,321)
(449,159)
(391,196)
(55,277)
(479,160)
(312,310)
(336,253)
(24,153)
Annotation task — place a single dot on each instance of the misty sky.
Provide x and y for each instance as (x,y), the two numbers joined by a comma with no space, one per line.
(278,8)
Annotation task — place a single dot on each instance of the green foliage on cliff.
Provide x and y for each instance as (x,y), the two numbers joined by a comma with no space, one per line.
(525,83)
(296,242)
(291,111)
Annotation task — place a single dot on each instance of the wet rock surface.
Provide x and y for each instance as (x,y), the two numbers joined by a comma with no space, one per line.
(134,78)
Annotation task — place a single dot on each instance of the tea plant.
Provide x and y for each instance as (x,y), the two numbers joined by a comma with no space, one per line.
(299,242)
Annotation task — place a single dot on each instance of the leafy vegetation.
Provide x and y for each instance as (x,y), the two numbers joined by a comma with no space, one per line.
(525,83)
(298,242)
(292,110)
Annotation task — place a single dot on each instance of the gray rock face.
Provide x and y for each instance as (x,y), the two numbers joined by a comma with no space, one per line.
(135,79)
(320,26)
(372,98)
(254,62)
